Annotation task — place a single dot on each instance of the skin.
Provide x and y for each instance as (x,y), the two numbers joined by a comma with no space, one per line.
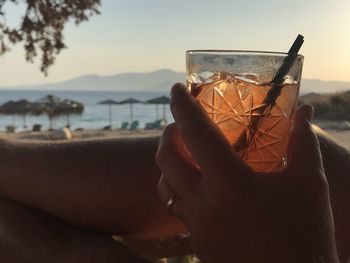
(65,183)
(83,184)
(249,216)
(31,236)
(336,162)
(81,196)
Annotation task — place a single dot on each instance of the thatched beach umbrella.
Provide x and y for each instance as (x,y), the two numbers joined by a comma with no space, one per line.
(69,107)
(131,102)
(55,106)
(164,100)
(109,103)
(7,109)
(24,107)
(21,107)
(47,105)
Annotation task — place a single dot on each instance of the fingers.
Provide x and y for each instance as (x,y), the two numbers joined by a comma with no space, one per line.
(175,164)
(304,149)
(207,144)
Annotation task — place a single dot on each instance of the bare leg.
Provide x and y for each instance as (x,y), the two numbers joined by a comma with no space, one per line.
(29,236)
(106,185)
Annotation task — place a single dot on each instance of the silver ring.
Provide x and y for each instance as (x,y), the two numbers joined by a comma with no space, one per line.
(169,205)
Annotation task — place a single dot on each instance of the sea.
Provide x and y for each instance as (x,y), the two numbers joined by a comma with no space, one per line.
(95,116)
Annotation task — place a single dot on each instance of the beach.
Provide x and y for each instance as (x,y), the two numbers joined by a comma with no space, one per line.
(341,137)
(90,123)
(61,135)
(95,116)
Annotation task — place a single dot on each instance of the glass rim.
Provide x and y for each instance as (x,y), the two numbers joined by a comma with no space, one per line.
(238,51)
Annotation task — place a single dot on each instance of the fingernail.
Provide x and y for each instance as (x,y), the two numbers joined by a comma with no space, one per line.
(178,89)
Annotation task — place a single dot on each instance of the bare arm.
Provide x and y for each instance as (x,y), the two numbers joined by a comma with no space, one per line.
(30,236)
(106,185)
(110,185)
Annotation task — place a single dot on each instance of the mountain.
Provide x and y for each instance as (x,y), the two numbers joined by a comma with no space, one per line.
(151,81)
(160,80)
(323,86)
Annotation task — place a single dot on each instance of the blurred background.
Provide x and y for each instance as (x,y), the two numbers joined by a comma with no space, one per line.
(137,49)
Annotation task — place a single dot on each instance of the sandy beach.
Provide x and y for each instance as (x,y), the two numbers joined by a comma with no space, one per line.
(342,137)
(78,135)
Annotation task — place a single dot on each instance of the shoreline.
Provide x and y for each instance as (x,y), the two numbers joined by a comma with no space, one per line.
(342,137)
(67,135)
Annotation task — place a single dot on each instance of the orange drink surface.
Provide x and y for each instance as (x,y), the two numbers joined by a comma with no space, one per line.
(235,102)
(236,90)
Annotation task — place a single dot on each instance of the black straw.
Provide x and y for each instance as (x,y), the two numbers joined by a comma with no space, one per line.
(272,95)
(288,62)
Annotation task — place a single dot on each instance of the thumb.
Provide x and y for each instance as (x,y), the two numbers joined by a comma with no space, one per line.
(304,148)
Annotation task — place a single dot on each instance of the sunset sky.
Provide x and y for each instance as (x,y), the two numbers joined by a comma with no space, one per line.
(137,35)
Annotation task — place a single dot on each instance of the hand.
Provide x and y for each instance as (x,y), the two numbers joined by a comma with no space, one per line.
(233,213)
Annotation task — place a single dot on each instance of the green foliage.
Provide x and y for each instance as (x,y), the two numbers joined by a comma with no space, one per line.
(340,108)
(330,106)
(320,109)
(42,26)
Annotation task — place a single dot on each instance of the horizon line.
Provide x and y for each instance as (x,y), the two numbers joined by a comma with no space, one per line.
(4,87)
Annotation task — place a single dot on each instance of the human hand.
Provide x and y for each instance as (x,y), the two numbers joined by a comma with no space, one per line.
(233,213)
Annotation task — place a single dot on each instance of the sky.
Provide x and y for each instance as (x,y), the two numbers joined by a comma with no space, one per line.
(143,36)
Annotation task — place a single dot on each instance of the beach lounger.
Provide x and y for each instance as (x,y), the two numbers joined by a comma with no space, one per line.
(36,127)
(157,125)
(149,126)
(125,126)
(10,129)
(160,124)
(134,125)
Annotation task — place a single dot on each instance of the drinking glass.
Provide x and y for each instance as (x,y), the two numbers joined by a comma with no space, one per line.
(232,86)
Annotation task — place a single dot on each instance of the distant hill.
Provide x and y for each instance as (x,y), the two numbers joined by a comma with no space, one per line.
(160,80)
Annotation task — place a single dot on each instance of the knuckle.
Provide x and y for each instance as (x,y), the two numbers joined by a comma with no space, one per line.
(158,158)
(166,144)
(161,157)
